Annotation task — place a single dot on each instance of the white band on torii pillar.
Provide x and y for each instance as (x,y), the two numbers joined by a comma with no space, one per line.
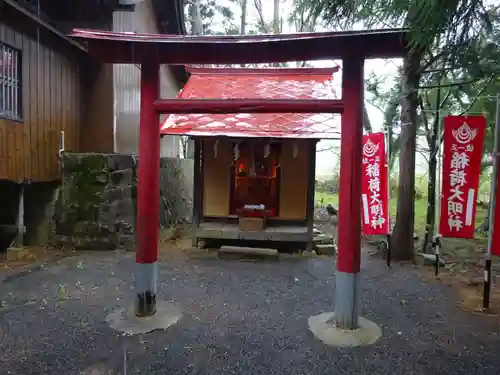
(347,300)
(146,275)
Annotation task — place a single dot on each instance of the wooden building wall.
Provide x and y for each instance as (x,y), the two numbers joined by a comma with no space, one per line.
(293,194)
(216,174)
(216,177)
(51,96)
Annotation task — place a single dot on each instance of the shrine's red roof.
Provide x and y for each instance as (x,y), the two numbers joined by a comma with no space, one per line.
(270,83)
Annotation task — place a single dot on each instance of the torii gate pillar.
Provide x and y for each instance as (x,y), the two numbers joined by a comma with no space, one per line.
(344,327)
(349,226)
(148,193)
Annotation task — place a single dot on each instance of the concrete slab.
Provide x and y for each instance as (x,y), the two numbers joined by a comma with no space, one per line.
(323,328)
(124,320)
(250,251)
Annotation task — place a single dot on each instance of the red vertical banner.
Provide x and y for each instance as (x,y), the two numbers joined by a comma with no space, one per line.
(495,240)
(462,153)
(374,194)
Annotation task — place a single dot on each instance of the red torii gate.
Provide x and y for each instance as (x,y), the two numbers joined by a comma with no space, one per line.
(151,50)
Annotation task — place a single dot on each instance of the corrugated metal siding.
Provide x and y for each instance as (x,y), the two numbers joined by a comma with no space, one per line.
(127,85)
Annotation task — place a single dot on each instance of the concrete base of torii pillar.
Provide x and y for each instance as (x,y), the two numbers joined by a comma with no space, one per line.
(344,327)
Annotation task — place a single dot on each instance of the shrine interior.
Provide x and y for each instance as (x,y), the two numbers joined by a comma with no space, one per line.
(255,182)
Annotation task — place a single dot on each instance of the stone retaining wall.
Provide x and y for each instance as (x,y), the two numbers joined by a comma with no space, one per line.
(95,208)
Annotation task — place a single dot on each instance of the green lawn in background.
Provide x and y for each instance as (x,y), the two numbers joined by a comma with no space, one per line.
(450,245)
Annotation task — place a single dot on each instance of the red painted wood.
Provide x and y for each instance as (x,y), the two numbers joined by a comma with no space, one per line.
(268,84)
(263,71)
(203,106)
(351,149)
(226,39)
(374,194)
(148,186)
(169,49)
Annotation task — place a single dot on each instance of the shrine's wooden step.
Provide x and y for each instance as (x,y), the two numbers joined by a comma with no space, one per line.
(254,252)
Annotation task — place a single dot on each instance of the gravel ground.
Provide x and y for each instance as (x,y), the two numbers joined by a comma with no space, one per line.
(240,318)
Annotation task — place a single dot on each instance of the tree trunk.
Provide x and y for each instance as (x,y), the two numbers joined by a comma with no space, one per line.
(196,29)
(195,18)
(276,17)
(431,186)
(276,22)
(367,125)
(243,20)
(243,25)
(402,235)
(389,155)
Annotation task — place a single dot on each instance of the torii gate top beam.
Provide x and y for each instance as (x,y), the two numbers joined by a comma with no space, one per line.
(110,47)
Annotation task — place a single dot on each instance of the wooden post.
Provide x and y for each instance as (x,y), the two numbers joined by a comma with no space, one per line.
(349,224)
(21,229)
(311,187)
(197,189)
(148,193)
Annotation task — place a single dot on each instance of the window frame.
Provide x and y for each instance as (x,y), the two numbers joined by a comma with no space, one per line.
(17,113)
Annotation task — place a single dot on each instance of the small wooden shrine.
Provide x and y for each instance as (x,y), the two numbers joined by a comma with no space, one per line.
(255,173)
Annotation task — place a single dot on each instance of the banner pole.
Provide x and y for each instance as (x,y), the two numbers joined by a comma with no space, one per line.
(491,216)
(389,221)
(436,243)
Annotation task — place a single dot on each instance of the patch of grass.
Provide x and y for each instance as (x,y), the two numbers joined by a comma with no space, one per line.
(328,198)
(453,246)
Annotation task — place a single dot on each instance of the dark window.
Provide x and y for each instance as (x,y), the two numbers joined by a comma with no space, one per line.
(10,82)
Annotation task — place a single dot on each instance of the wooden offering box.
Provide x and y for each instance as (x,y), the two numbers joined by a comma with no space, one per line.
(252,224)
(252,219)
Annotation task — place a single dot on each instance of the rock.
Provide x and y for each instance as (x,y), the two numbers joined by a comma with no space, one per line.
(169,234)
(329,249)
(122,176)
(475,281)
(333,220)
(15,254)
(428,259)
(331,210)
(323,239)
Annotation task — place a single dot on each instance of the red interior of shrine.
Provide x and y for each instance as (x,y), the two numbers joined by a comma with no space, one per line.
(256,182)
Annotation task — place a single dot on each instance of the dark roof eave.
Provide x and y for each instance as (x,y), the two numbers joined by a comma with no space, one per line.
(24,12)
(170,20)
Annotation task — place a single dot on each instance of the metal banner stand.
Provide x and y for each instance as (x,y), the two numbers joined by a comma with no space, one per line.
(389,221)
(436,242)
(491,218)
(436,245)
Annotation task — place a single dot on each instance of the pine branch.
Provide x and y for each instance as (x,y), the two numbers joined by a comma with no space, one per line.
(452,84)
